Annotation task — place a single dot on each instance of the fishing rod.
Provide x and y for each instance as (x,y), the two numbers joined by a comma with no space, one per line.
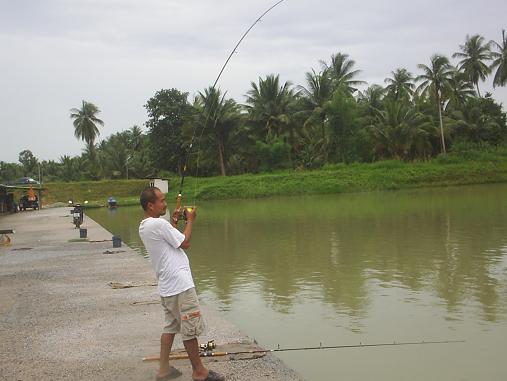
(183,172)
(209,353)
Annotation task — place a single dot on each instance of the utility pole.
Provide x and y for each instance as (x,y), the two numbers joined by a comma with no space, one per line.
(40,186)
(127,165)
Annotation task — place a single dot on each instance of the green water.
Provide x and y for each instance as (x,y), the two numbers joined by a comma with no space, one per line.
(343,269)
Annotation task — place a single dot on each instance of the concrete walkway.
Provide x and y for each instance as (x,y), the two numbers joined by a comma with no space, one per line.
(59,318)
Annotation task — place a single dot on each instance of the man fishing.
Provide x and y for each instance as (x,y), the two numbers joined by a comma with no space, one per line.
(165,244)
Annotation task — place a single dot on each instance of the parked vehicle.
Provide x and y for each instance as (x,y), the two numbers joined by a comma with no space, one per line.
(26,202)
(77,213)
(26,180)
(29,200)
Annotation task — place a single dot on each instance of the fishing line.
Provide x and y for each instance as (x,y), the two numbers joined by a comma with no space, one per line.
(210,353)
(210,96)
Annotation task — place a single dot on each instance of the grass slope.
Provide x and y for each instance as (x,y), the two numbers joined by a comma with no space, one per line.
(383,175)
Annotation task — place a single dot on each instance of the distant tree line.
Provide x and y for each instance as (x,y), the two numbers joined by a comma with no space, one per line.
(412,116)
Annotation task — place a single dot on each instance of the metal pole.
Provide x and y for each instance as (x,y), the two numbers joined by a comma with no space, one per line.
(127,165)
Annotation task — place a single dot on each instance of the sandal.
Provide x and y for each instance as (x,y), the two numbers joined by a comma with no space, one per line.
(212,376)
(173,373)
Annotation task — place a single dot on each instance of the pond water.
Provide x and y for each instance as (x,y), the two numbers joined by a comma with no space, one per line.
(427,264)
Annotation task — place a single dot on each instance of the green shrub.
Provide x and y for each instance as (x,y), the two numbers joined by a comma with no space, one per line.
(272,156)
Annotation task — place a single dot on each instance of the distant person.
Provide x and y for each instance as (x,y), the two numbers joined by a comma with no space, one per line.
(165,244)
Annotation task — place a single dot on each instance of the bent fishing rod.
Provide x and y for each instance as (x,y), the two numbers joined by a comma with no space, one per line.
(207,353)
(183,172)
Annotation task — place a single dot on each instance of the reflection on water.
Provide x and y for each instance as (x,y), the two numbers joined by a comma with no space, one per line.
(376,265)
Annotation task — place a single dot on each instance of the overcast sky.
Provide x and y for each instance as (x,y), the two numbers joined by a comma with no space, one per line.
(118,53)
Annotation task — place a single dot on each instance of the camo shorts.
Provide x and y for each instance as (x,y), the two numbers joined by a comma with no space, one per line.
(183,315)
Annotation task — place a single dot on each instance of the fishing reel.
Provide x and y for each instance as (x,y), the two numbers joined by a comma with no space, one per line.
(209,346)
(182,215)
(184,211)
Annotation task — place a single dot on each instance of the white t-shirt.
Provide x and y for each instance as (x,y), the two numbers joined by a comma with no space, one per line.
(172,269)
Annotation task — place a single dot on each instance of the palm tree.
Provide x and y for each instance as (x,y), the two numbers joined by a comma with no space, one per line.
(472,123)
(71,168)
(473,53)
(314,98)
(434,81)
(221,117)
(268,105)
(460,90)
(85,123)
(114,154)
(401,84)
(135,137)
(500,61)
(318,91)
(400,131)
(341,72)
(67,170)
(372,99)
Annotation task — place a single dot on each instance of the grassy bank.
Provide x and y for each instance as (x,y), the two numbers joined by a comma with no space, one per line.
(384,175)
(389,175)
(96,192)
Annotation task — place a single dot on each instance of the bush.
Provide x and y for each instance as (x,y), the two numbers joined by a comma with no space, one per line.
(467,151)
(272,156)
(447,159)
(388,164)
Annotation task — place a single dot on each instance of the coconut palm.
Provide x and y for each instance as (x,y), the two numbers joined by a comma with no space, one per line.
(434,81)
(460,89)
(312,109)
(314,98)
(474,53)
(67,169)
(473,124)
(85,123)
(115,153)
(400,131)
(221,116)
(268,105)
(71,168)
(372,98)
(400,85)
(499,61)
(341,72)
(135,137)
(318,91)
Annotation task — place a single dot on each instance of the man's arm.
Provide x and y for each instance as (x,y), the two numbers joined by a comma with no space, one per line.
(188,234)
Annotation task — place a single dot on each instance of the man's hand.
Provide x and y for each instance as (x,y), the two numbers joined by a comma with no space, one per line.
(175,217)
(191,215)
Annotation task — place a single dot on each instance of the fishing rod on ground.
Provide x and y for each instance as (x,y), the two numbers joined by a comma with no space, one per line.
(211,345)
(179,198)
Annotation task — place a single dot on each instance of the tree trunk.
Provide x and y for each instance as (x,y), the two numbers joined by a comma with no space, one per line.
(478,91)
(324,145)
(291,138)
(441,123)
(221,157)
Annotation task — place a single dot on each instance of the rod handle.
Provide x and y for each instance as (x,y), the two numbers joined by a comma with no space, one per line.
(185,356)
(178,201)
